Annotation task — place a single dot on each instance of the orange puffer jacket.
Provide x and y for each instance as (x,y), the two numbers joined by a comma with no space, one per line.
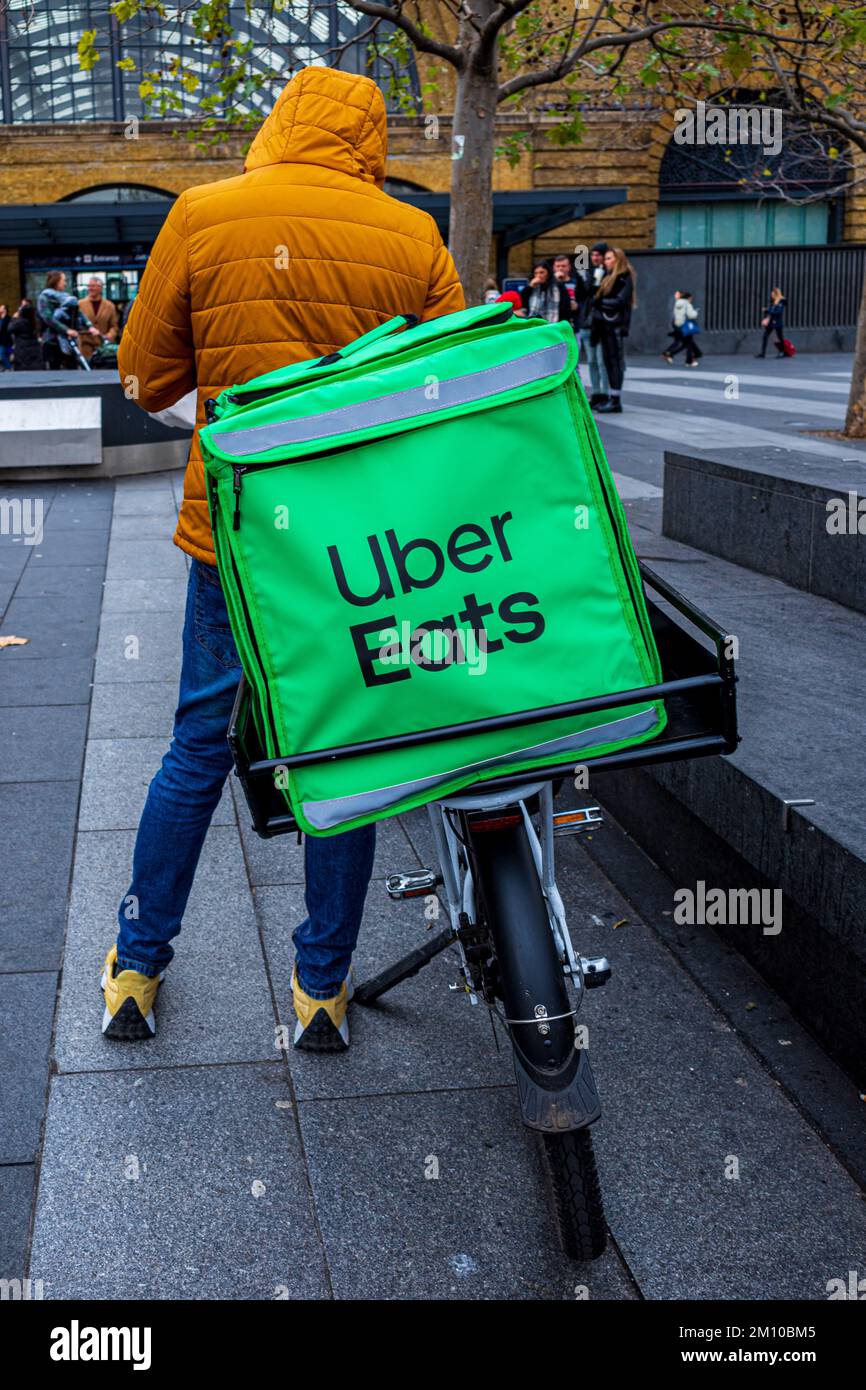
(292,259)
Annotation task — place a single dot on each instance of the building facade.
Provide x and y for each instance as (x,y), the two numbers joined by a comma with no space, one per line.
(82,139)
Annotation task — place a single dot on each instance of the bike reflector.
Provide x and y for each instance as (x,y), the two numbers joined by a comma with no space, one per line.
(418,534)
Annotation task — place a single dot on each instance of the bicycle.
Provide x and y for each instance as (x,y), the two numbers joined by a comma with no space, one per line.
(496,873)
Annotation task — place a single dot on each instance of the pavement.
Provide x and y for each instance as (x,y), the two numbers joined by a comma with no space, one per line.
(212,1162)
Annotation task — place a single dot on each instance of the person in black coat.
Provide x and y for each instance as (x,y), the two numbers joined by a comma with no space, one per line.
(26,347)
(545,297)
(612,306)
(773,321)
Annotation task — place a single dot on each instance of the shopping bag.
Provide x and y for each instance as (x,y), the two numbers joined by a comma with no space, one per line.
(418,534)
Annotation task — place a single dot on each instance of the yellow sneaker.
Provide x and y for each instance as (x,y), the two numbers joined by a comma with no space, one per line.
(323,1025)
(129,1000)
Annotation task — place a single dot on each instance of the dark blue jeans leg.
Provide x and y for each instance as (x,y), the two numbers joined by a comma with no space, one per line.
(338,873)
(186,790)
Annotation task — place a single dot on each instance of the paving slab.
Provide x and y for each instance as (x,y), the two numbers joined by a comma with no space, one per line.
(154,655)
(215,1004)
(16,1196)
(37,831)
(117,774)
(482,1229)
(70,546)
(84,581)
(419,1037)
(133,710)
(43,744)
(145,595)
(53,625)
(60,680)
(150,558)
(26,1013)
(198,1174)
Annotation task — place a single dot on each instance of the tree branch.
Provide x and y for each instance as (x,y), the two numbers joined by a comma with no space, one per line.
(449,53)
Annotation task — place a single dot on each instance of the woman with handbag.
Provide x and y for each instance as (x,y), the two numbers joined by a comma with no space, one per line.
(772,322)
(684,329)
(611,315)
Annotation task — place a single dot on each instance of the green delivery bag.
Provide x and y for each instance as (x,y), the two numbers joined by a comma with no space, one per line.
(418,532)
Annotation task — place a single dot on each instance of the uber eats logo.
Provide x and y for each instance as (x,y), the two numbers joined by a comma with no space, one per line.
(395,566)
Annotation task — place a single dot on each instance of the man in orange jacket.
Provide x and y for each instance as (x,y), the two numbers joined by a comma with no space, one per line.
(292,259)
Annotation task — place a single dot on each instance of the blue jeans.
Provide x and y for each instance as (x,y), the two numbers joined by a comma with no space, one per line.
(594,358)
(183,797)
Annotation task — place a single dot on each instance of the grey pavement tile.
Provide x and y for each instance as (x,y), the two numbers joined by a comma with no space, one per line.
(26,1013)
(53,625)
(681,1096)
(481,1230)
(72,546)
(13,557)
(154,655)
(214,1005)
(133,710)
(16,1196)
(199,1175)
(419,1037)
(137,527)
(281,859)
(43,743)
(144,595)
(117,774)
(37,833)
(60,680)
(7,589)
(83,581)
(140,501)
(151,558)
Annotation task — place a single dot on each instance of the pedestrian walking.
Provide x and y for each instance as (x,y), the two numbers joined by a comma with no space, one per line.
(491,290)
(586,284)
(773,321)
(612,307)
(197,323)
(26,347)
(684,330)
(545,297)
(5,339)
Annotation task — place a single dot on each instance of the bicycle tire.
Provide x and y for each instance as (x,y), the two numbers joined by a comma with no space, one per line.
(578,1206)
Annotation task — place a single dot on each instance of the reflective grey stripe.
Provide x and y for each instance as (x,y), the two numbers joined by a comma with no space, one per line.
(401,405)
(325,815)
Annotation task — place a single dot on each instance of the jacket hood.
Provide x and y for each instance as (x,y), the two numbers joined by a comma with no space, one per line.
(323,116)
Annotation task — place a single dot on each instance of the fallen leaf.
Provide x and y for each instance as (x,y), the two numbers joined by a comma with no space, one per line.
(750,1006)
(14,641)
(621,923)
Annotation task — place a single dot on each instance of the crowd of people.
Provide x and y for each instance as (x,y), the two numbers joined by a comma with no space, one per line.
(59,330)
(597,300)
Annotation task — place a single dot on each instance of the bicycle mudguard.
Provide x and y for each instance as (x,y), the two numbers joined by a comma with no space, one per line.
(418,534)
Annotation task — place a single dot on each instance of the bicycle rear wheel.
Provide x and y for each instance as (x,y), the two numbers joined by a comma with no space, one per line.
(569,1161)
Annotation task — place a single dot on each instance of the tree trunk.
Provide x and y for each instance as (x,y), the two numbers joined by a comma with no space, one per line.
(855,420)
(472,150)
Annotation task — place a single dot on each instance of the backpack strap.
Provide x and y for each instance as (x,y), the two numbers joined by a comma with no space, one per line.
(383,330)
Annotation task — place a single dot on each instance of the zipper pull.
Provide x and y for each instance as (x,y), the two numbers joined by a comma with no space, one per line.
(238,484)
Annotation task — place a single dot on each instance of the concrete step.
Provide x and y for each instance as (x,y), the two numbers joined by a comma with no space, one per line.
(777,511)
(723,821)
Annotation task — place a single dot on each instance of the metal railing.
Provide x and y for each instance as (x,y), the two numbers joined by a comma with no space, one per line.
(821,285)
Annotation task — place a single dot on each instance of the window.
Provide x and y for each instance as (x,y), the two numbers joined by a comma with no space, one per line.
(743,222)
(41,78)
